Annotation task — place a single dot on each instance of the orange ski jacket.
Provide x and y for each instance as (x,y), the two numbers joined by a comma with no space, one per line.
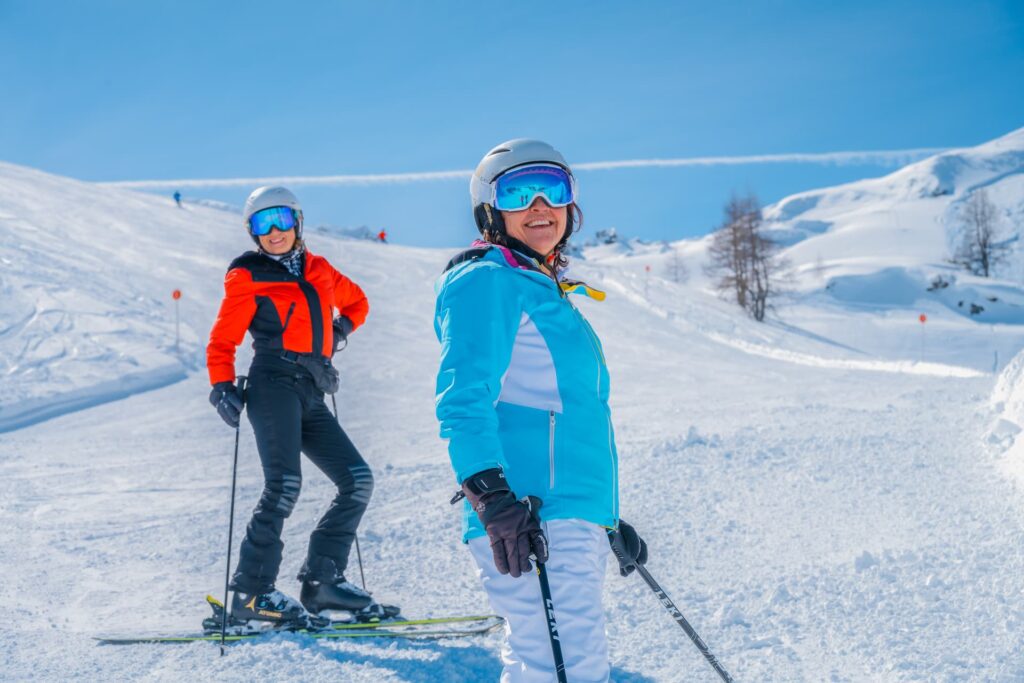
(281,312)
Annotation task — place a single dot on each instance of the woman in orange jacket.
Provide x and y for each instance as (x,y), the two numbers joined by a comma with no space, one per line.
(286,298)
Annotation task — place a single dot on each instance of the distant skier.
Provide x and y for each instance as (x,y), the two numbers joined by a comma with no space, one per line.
(382,236)
(286,296)
(522,396)
(177,198)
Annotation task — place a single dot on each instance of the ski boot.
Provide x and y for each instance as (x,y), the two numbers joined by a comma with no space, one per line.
(325,592)
(258,612)
(344,602)
(273,606)
(334,594)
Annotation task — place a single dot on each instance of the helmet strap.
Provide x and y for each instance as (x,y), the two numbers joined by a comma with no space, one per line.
(488,220)
(492,227)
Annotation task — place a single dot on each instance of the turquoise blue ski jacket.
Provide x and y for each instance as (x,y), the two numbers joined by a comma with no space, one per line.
(523,386)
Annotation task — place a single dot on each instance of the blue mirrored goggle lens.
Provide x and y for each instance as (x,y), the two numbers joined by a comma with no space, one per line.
(280,217)
(516,190)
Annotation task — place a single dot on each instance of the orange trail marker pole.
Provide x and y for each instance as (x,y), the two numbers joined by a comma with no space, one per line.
(176,295)
(923,318)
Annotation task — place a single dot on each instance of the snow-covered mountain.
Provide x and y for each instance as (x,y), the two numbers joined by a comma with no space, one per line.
(823,495)
(866,259)
(908,217)
(888,240)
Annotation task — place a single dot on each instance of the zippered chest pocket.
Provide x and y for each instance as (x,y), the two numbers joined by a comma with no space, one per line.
(551,449)
(288,317)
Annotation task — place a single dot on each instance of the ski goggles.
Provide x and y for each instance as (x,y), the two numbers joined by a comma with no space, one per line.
(516,189)
(281,217)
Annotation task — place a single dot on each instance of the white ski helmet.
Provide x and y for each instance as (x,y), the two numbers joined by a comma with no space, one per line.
(506,156)
(269,196)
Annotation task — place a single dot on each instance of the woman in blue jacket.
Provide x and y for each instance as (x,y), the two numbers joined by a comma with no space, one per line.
(522,397)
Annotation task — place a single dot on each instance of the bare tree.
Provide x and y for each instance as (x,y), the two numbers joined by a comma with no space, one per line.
(743,262)
(980,250)
(728,253)
(677,270)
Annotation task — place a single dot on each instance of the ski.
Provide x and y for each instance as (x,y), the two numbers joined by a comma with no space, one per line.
(354,620)
(388,627)
(411,622)
(392,630)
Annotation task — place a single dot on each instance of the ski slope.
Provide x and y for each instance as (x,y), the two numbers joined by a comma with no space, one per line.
(819,502)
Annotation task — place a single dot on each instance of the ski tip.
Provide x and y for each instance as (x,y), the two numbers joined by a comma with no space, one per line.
(214,601)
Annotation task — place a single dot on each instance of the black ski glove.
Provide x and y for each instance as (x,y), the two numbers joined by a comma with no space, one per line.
(630,550)
(342,328)
(228,401)
(513,526)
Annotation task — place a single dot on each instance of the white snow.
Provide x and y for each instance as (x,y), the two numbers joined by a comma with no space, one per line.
(1007,404)
(825,495)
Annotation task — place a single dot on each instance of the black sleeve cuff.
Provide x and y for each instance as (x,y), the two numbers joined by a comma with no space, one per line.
(485,482)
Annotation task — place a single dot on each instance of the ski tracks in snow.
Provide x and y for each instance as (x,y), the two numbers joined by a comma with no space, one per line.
(724,329)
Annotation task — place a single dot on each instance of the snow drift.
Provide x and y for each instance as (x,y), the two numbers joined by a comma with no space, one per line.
(1004,434)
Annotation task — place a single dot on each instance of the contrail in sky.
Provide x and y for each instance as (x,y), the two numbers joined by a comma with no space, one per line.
(882,157)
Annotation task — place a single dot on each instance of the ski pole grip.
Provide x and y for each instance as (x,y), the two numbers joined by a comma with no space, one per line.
(538,540)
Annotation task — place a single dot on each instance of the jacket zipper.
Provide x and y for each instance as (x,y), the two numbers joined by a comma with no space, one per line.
(551,448)
(288,317)
(615,471)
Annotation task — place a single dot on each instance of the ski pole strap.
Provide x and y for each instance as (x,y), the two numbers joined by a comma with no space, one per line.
(681,620)
(231,522)
(549,613)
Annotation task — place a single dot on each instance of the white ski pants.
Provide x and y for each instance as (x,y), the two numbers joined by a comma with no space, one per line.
(578,552)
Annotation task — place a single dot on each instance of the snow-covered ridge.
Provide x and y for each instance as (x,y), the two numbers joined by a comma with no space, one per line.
(909,217)
(86,313)
(953,174)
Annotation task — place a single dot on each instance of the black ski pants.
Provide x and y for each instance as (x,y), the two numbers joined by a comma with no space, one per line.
(288,415)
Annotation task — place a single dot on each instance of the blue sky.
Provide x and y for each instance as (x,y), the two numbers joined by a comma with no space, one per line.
(157,90)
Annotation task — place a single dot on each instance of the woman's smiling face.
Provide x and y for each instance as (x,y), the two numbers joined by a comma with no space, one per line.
(278,242)
(540,226)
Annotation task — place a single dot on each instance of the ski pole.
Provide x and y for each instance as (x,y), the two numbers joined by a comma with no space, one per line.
(231,519)
(681,620)
(359,555)
(534,504)
(549,612)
